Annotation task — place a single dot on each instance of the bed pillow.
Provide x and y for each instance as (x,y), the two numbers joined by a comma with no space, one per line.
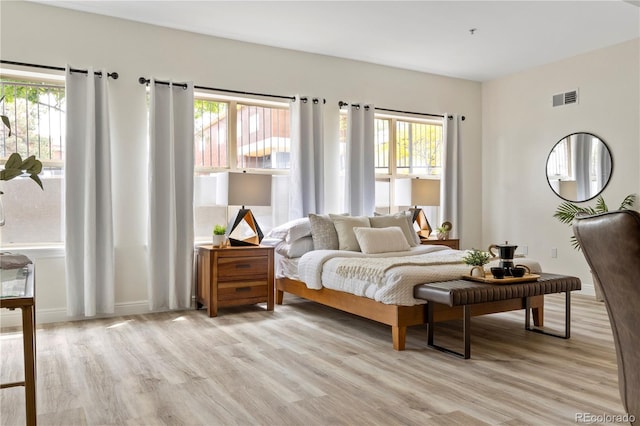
(295,249)
(381,240)
(400,220)
(300,228)
(291,231)
(323,232)
(344,228)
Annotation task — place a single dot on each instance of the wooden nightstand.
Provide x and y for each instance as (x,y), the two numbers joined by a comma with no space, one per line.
(233,276)
(453,243)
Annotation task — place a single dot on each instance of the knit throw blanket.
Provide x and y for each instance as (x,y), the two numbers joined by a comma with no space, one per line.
(374,269)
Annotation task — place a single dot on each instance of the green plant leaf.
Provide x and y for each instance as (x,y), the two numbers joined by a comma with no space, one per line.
(31,165)
(37,180)
(7,123)
(575,244)
(601,206)
(476,257)
(14,161)
(8,174)
(567,211)
(627,202)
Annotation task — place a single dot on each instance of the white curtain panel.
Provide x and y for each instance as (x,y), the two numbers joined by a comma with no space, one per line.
(360,175)
(603,162)
(89,253)
(582,165)
(450,182)
(306,176)
(170,237)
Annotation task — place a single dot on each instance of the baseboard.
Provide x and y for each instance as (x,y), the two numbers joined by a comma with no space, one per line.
(44,316)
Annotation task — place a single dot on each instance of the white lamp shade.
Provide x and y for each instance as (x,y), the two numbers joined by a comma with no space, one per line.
(402,189)
(249,189)
(568,189)
(425,192)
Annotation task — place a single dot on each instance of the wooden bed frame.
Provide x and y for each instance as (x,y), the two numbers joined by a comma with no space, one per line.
(399,317)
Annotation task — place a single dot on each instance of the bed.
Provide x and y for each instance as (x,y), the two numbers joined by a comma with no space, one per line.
(375,278)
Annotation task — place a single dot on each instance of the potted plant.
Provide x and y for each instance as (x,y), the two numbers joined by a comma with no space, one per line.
(567,212)
(477,259)
(15,166)
(443,231)
(219,235)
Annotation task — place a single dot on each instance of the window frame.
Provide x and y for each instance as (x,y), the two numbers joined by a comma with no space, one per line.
(54,81)
(392,175)
(233,102)
(232,131)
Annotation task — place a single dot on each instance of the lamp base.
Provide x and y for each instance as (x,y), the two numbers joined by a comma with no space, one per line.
(418,217)
(244,230)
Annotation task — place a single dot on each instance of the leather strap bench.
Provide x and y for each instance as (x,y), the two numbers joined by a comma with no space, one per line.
(465,293)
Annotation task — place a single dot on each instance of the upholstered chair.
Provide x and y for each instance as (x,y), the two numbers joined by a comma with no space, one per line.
(611,244)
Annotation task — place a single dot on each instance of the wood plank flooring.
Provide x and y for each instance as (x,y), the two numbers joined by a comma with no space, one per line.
(305,364)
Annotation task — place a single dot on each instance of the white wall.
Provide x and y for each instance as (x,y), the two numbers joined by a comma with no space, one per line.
(40,34)
(520,127)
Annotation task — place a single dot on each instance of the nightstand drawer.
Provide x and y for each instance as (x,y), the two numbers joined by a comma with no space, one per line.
(243,290)
(232,268)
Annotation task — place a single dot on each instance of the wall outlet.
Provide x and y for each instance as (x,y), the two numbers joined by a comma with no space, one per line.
(554,253)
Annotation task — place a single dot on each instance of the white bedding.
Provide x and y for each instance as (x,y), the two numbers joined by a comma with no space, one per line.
(387,284)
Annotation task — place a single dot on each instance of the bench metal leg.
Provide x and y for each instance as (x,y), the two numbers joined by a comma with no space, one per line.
(466,332)
(567,318)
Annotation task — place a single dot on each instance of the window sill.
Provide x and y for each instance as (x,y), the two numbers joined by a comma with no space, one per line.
(36,251)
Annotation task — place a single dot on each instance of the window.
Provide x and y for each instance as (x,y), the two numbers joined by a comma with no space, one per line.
(36,111)
(404,147)
(260,130)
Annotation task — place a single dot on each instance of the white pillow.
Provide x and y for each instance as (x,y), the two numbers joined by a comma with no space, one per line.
(292,230)
(381,240)
(299,228)
(344,228)
(295,249)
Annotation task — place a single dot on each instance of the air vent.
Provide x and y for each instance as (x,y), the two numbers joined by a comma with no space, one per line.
(565,98)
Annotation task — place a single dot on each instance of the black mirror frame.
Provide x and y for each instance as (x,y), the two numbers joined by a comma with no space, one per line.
(549,156)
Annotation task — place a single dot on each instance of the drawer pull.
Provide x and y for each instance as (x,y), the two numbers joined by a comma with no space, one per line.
(243,266)
(239,289)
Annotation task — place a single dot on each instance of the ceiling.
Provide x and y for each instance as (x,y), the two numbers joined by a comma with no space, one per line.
(428,36)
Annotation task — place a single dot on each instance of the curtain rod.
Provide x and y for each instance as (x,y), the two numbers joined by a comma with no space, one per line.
(113,75)
(342,104)
(144,80)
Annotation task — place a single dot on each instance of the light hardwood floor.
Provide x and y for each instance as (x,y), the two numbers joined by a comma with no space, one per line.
(305,364)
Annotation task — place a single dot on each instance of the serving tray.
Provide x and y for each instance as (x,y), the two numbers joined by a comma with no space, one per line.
(489,279)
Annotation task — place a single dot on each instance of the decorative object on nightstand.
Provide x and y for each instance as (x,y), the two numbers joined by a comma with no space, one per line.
(247,189)
(219,236)
(443,231)
(424,192)
(233,276)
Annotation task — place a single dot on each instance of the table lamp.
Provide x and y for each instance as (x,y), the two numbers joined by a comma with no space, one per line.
(424,192)
(247,189)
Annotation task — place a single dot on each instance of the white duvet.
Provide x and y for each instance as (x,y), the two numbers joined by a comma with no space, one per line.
(386,280)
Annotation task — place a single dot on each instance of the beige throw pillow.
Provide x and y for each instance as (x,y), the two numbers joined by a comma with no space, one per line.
(344,228)
(400,220)
(381,240)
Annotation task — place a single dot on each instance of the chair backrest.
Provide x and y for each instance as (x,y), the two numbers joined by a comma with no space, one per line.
(611,244)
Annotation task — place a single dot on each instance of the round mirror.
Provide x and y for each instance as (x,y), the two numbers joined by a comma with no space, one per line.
(579,167)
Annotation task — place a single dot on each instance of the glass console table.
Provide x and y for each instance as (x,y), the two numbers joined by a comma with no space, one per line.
(17,290)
